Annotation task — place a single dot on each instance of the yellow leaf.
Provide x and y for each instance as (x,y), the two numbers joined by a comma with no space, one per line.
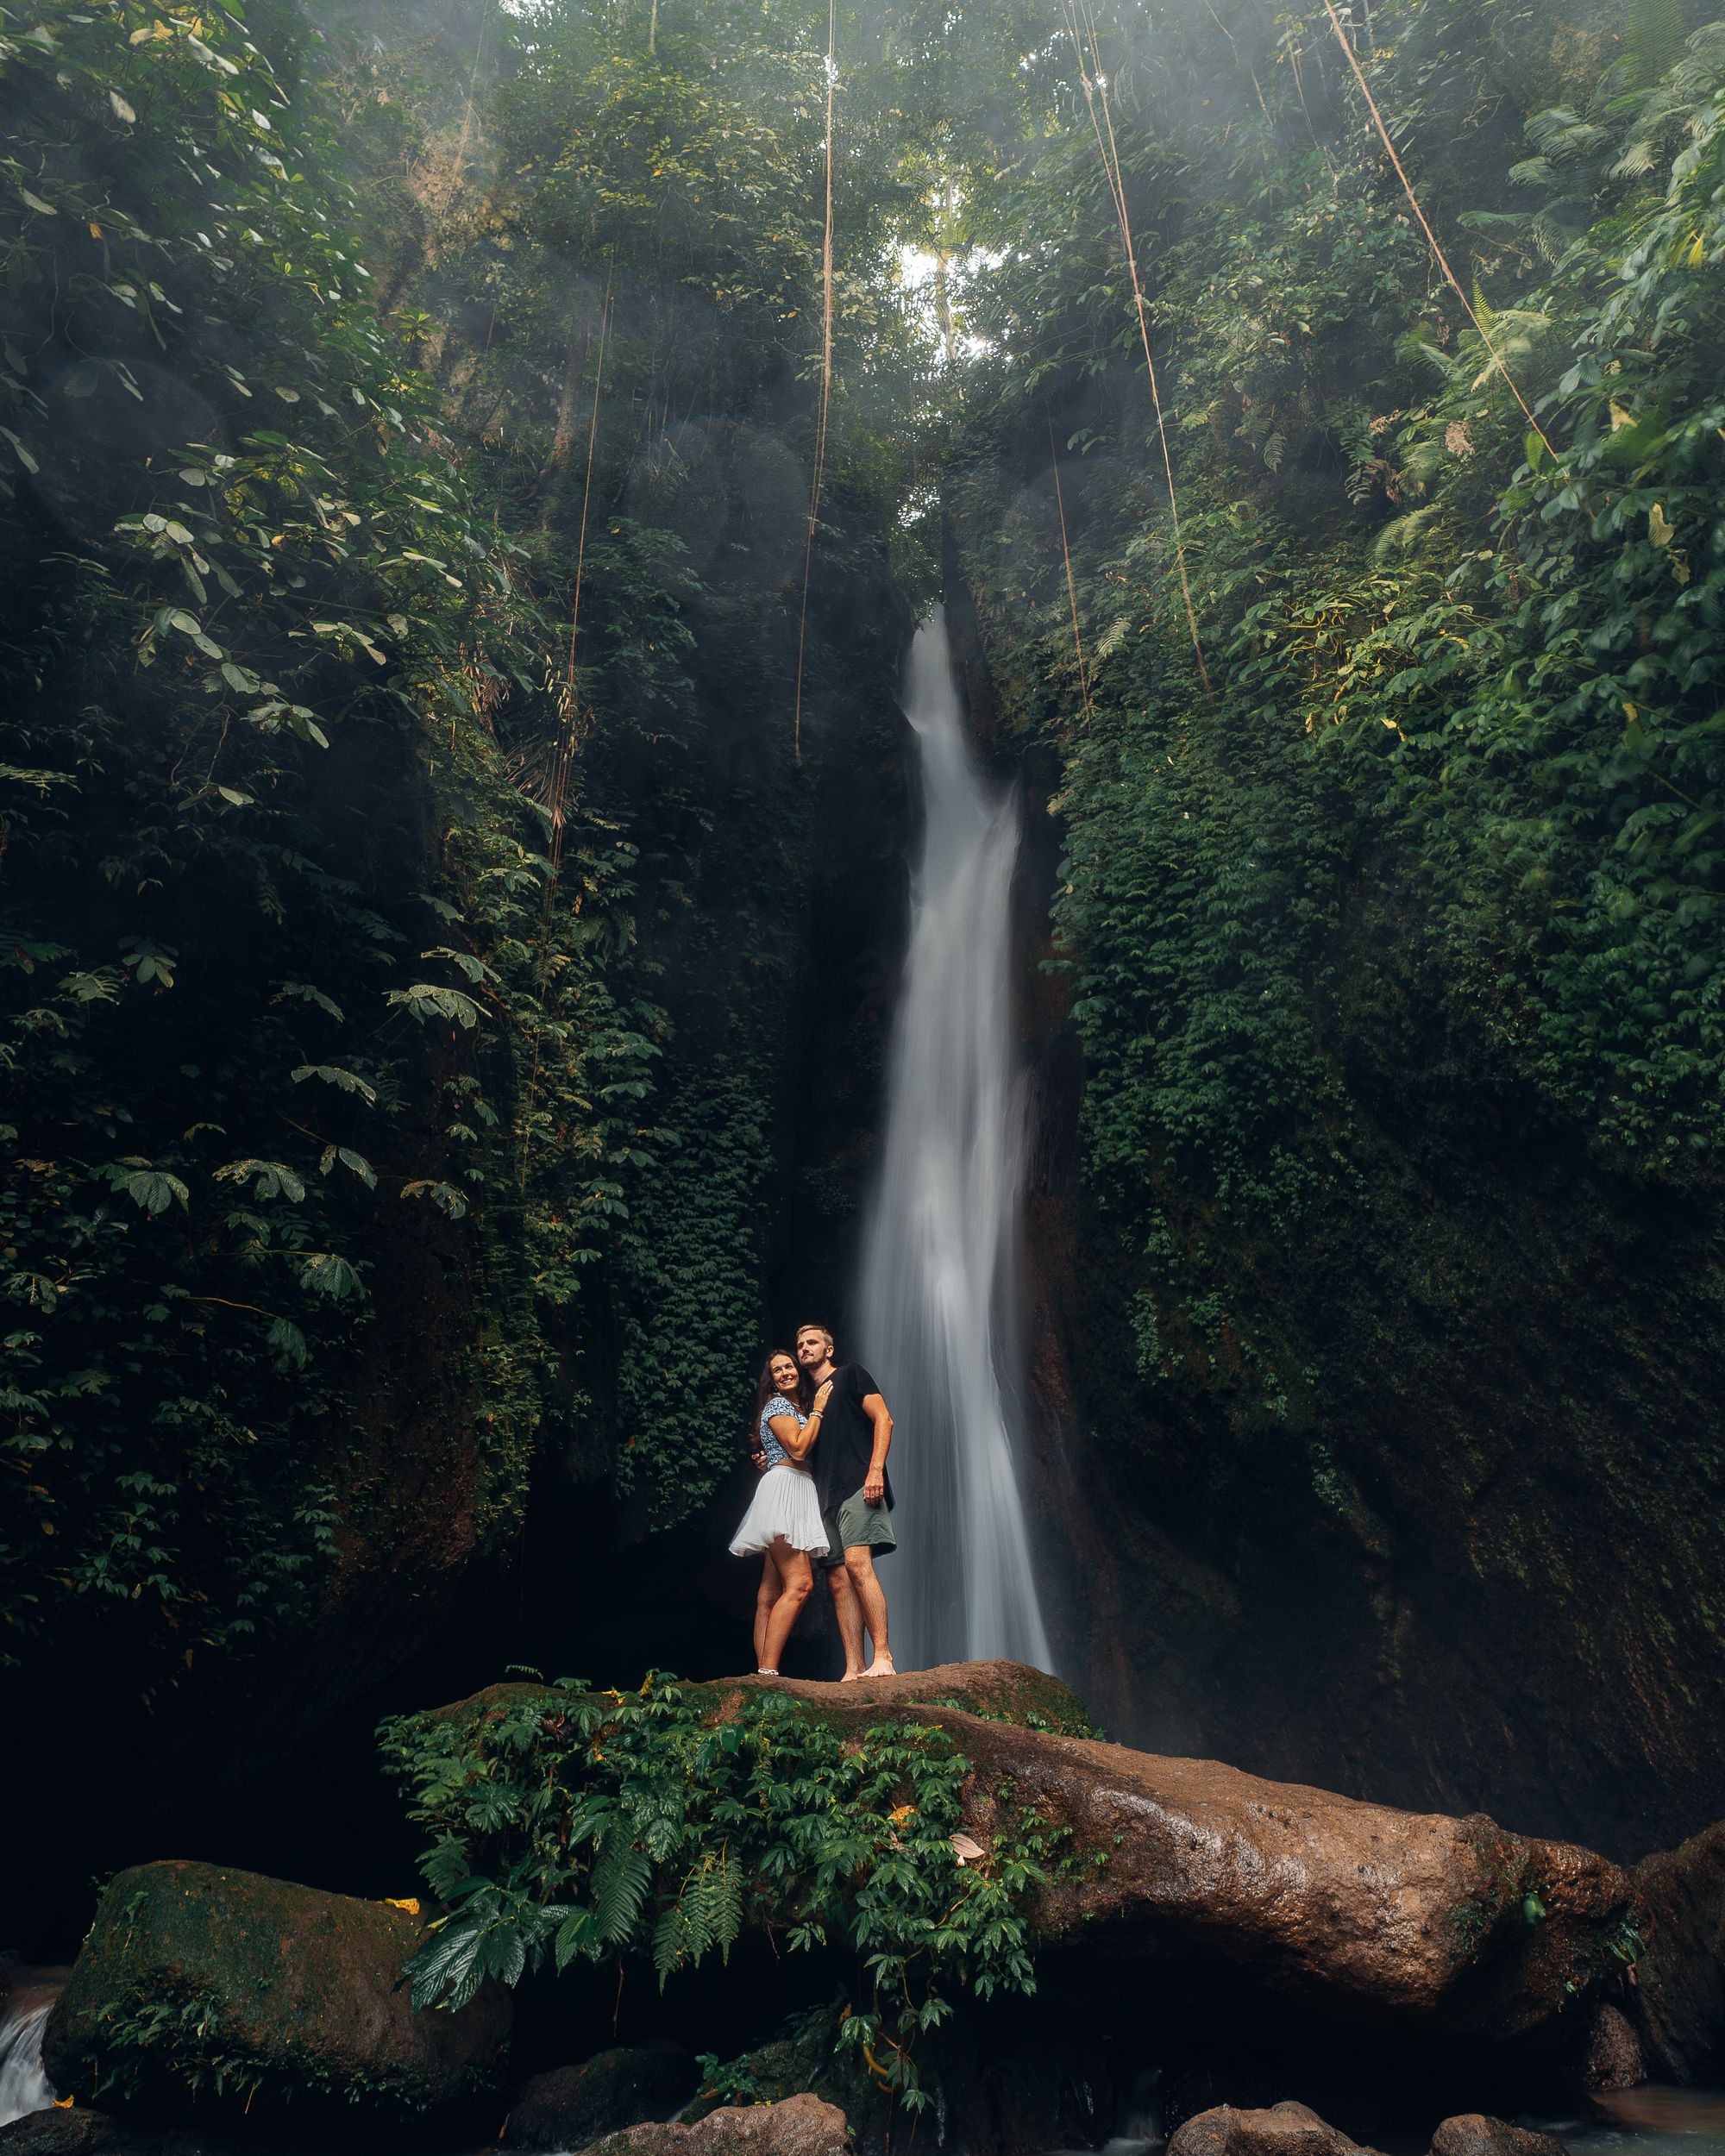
(1621,416)
(1659,529)
(411,1904)
(1697,253)
(64,2104)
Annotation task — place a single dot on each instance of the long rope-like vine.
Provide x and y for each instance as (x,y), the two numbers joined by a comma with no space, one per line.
(1071,588)
(819,471)
(1440,258)
(1095,88)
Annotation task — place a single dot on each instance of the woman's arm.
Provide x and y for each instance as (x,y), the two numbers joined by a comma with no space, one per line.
(798,1439)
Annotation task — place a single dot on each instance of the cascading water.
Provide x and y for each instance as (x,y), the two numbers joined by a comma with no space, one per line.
(937,1308)
(23,2016)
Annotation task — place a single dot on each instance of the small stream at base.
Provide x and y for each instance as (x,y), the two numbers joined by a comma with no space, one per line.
(1650,2121)
(24,2012)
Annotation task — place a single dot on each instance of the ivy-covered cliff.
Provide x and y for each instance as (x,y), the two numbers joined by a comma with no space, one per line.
(411,855)
(1381,1304)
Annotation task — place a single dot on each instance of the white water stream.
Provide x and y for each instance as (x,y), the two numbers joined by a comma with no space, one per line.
(23,2016)
(938,1305)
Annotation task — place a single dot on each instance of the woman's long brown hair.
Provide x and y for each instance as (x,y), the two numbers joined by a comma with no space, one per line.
(799,1398)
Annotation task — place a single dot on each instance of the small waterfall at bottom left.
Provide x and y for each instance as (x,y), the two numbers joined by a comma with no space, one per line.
(24,2010)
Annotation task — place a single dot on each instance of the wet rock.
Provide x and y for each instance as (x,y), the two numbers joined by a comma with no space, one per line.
(800,2126)
(1284,2129)
(1472,2134)
(573,2106)
(206,1995)
(1679,2004)
(1613,2058)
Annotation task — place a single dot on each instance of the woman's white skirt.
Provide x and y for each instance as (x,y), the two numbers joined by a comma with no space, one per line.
(785,1504)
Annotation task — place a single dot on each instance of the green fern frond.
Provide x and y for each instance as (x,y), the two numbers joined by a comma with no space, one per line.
(621,1879)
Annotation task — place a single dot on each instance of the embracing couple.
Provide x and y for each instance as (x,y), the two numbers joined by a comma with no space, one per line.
(820,1434)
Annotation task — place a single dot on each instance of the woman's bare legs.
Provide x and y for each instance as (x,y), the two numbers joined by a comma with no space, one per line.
(798,1584)
(772,1586)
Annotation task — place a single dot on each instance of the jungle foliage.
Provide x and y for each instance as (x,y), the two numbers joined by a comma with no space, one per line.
(405,856)
(1465,664)
(643,1827)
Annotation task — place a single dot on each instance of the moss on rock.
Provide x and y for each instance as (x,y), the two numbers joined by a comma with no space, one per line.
(204,1995)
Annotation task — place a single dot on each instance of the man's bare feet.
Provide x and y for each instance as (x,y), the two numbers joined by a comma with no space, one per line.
(853,1677)
(881,1666)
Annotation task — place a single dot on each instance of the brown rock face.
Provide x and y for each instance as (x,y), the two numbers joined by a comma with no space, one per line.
(1680,2002)
(1613,2058)
(1374,1916)
(801,2126)
(205,1995)
(1285,2130)
(1472,2134)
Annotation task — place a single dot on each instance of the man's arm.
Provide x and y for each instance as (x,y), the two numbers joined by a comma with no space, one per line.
(875,1484)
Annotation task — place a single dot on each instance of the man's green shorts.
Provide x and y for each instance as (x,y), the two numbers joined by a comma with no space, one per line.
(857,1526)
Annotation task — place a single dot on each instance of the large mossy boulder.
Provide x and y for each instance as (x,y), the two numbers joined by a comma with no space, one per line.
(207,1995)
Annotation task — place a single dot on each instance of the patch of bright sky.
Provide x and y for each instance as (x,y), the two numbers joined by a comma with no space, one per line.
(918,271)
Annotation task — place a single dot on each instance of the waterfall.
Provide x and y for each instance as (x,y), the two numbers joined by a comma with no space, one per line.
(938,1306)
(23,2016)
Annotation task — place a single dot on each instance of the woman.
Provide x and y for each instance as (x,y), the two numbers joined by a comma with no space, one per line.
(784,1520)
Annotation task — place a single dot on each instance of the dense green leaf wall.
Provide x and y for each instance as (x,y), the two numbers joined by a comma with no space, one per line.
(399,958)
(1394,947)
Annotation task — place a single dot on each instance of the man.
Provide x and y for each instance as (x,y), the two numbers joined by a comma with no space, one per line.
(855,1497)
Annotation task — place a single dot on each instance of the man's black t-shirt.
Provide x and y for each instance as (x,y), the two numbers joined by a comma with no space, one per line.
(846,1443)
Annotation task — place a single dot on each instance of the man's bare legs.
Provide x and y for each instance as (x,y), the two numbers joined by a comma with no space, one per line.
(793,1566)
(869,1603)
(772,1586)
(849,1612)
